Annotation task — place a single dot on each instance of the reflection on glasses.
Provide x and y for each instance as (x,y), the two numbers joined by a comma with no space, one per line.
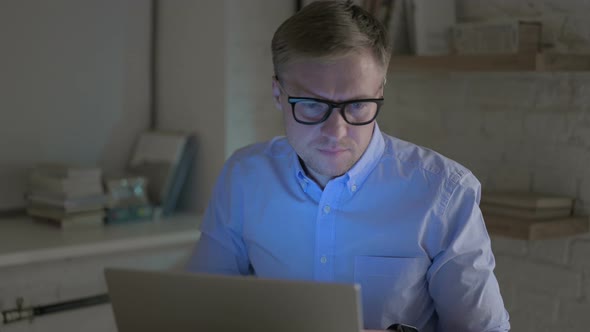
(311,111)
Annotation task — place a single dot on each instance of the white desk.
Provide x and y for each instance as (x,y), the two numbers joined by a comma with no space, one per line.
(24,241)
(44,265)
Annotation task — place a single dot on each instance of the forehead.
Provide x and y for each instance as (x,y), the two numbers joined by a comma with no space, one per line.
(356,74)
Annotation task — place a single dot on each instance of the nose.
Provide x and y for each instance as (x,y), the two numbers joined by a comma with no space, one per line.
(335,126)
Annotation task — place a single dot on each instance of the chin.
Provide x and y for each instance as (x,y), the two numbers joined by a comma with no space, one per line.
(332,170)
(331,166)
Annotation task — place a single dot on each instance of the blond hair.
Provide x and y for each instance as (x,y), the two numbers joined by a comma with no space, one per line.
(328,29)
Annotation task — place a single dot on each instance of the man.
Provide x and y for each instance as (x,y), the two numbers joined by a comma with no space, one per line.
(339,201)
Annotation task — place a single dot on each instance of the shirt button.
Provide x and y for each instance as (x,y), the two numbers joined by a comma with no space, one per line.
(323,260)
(327,209)
(353,188)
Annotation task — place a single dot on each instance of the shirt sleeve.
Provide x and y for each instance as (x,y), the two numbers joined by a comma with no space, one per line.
(461,278)
(221,248)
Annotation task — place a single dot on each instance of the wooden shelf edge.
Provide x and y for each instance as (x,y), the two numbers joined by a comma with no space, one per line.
(492,63)
(536,229)
(563,62)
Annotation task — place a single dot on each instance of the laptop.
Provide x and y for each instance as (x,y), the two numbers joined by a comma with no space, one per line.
(156,301)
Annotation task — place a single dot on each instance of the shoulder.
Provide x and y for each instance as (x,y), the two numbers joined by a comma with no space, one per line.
(410,155)
(435,169)
(260,154)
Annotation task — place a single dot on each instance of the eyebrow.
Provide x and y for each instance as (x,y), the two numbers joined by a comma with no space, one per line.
(331,102)
(315,96)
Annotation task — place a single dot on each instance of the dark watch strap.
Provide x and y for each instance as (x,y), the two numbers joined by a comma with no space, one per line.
(402,328)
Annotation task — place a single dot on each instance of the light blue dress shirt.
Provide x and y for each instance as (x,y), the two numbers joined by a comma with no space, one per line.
(404,223)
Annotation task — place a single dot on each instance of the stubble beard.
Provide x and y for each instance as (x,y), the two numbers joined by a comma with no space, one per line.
(324,166)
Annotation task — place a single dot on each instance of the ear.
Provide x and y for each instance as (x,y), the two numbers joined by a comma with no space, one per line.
(276,93)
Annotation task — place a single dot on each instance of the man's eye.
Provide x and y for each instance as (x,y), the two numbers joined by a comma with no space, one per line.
(357,106)
(312,105)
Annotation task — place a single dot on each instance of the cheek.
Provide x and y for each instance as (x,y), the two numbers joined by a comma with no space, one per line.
(299,136)
(288,123)
(296,134)
(290,127)
(361,136)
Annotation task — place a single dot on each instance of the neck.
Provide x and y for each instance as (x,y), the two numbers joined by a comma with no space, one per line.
(321,180)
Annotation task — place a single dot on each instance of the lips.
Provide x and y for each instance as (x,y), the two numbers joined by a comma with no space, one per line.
(332,151)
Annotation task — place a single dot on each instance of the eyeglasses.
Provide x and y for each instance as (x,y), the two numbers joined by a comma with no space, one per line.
(312,111)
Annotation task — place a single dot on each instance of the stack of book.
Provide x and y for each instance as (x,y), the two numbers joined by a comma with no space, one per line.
(531,215)
(66,195)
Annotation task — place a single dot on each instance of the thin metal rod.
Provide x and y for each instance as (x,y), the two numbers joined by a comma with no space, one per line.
(28,313)
(71,305)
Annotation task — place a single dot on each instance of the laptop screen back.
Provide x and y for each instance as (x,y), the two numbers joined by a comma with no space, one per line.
(151,301)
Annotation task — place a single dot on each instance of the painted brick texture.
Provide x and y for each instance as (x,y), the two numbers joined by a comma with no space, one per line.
(523,131)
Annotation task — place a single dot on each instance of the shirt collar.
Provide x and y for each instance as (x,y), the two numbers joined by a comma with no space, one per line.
(300,175)
(357,175)
(363,167)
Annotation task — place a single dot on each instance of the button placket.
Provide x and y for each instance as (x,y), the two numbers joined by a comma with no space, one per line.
(327,212)
(325,232)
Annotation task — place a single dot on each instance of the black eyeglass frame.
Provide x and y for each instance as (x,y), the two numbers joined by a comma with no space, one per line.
(333,105)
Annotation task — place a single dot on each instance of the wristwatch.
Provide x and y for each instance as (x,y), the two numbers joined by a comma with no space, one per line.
(402,328)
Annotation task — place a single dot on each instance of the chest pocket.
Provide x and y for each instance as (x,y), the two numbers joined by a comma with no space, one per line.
(394,289)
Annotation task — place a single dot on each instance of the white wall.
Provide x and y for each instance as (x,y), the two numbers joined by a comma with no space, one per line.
(75,82)
(191,85)
(526,131)
(215,74)
(251,115)
(73,85)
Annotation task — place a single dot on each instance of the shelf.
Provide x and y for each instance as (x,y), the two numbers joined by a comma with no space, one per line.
(492,63)
(536,229)
(24,241)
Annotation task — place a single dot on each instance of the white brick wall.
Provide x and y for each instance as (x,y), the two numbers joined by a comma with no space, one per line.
(528,131)
(579,254)
(545,283)
(546,309)
(556,251)
(541,277)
